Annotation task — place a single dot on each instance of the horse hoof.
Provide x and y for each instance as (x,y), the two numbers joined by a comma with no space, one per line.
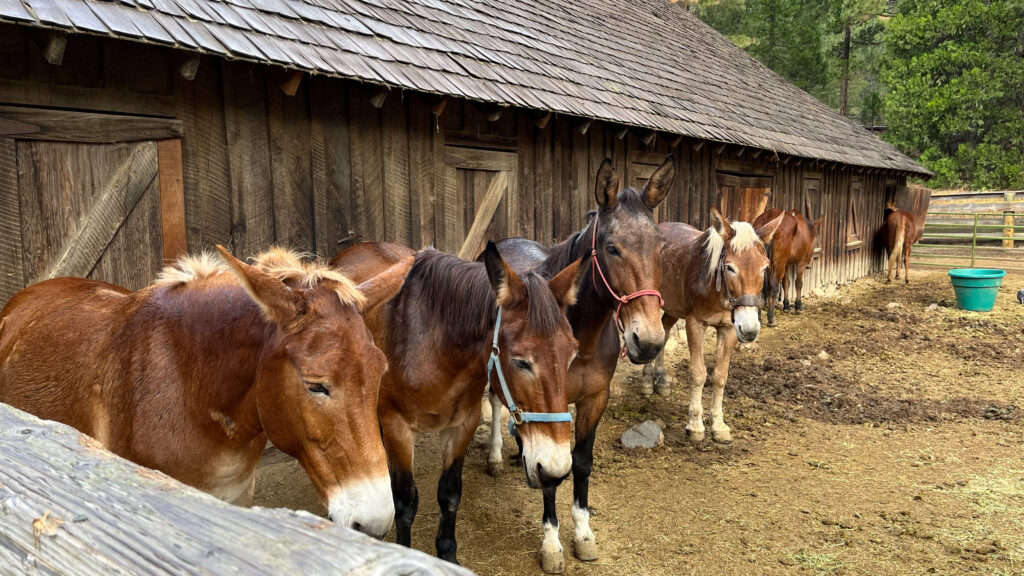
(770,324)
(646,388)
(721,436)
(888,280)
(495,469)
(695,436)
(552,561)
(663,389)
(585,550)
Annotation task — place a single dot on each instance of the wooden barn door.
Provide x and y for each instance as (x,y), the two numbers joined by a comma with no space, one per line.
(482,203)
(743,198)
(91,195)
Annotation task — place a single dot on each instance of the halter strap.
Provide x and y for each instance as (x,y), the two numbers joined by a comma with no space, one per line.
(518,417)
(746,300)
(596,266)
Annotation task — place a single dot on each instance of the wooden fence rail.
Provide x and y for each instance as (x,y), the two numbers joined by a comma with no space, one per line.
(68,506)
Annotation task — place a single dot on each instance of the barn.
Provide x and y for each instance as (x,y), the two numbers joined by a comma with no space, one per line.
(131,130)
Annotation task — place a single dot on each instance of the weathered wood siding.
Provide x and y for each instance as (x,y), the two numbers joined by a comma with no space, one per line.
(326,165)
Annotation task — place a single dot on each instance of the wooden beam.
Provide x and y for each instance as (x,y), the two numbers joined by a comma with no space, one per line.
(675,141)
(85,502)
(377,95)
(541,120)
(188,65)
(291,84)
(72,126)
(55,46)
(698,145)
(621,134)
(786,159)
(799,161)
(437,108)
(172,198)
(648,138)
(484,213)
(741,151)
(491,111)
(757,154)
(12,277)
(584,126)
(97,228)
(720,148)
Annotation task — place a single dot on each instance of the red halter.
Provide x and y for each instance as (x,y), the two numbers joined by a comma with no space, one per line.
(620,299)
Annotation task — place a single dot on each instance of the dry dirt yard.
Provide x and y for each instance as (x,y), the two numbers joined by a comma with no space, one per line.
(898,451)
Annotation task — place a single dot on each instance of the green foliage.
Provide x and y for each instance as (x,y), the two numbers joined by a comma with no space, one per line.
(955,71)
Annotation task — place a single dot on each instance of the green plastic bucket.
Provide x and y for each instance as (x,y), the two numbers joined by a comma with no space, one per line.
(976,288)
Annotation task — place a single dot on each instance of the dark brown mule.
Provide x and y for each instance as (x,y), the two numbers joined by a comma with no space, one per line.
(711,278)
(437,334)
(792,247)
(192,374)
(627,245)
(900,232)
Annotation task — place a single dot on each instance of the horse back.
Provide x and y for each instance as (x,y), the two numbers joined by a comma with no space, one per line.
(367,259)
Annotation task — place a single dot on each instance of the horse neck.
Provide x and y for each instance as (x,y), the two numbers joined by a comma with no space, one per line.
(219,336)
(701,285)
(594,303)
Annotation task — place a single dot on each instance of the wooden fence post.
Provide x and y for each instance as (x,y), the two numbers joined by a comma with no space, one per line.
(1008,221)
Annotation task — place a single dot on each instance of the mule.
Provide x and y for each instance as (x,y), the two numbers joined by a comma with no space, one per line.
(899,232)
(449,326)
(790,252)
(711,278)
(621,247)
(192,374)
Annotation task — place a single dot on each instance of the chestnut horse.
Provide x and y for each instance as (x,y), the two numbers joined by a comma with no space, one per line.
(711,278)
(622,248)
(792,246)
(451,323)
(193,373)
(900,233)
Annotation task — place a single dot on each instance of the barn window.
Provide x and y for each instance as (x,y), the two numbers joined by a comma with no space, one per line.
(853,224)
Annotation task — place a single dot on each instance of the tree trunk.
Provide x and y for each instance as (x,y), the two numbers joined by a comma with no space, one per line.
(846,70)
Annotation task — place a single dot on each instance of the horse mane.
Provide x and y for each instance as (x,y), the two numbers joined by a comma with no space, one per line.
(281,263)
(439,283)
(189,268)
(744,238)
(308,272)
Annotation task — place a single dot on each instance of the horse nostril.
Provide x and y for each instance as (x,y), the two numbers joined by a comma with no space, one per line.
(357,526)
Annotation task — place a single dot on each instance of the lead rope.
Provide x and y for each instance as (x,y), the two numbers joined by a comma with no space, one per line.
(517,416)
(596,265)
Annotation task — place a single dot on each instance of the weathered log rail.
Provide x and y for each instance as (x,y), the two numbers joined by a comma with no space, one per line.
(68,506)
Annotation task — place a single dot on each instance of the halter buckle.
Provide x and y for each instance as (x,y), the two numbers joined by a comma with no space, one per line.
(517,417)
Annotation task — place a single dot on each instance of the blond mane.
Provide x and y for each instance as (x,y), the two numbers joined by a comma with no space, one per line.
(189,268)
(744,238)
(307,272)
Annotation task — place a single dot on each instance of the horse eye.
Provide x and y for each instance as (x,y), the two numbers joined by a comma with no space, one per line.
(613,250)
(730,268)
(522,364)
(317,388)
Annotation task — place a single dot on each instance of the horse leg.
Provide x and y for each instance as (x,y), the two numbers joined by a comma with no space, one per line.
(799,283)
(655,379)
(552,559)
(698,375)
(588,413)
(892,263)
(906,263)
(454,442)
(726,344)
(495,463)
(785,290)
(399,443)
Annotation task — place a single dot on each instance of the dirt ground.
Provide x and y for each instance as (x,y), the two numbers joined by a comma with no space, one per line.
(898,451)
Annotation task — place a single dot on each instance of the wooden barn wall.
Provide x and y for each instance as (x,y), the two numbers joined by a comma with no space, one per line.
(261,167)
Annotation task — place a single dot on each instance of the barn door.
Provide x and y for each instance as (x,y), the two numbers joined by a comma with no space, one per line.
(743,198)
(90,195)
(812,205)
(482,205)
(640,170)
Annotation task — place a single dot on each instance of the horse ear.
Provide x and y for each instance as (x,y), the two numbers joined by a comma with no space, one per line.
(384,286)
(506,284)
(565,284)
(721,224)
(659,184)
(766,232)
(606,189)
(817,225)
(279,304)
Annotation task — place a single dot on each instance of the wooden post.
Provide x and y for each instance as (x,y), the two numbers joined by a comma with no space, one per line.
(1008,221)
(291,84)
(172,198)
(483,216)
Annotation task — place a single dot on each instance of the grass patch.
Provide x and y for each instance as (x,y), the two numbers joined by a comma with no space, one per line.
(820,564)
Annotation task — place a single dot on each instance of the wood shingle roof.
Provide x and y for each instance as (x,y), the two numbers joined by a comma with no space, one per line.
(643,63)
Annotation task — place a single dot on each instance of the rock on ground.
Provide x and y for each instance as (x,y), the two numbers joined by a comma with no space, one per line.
(645,435)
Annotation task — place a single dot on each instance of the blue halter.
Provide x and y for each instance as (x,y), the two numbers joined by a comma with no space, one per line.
(518,416)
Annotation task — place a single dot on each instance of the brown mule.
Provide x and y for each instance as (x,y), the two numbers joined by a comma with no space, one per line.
(712,278)
(621,248)
(437,334)
(192,374)
(900,232)
(791,246)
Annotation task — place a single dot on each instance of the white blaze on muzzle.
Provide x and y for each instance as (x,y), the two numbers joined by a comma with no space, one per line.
(747,322)
(366,505)
(554,458)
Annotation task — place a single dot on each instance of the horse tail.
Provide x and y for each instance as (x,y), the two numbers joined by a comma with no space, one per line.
(901,236)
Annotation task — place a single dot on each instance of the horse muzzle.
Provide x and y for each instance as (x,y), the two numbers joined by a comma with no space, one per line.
(366,506)
(546,462)
(747,323)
